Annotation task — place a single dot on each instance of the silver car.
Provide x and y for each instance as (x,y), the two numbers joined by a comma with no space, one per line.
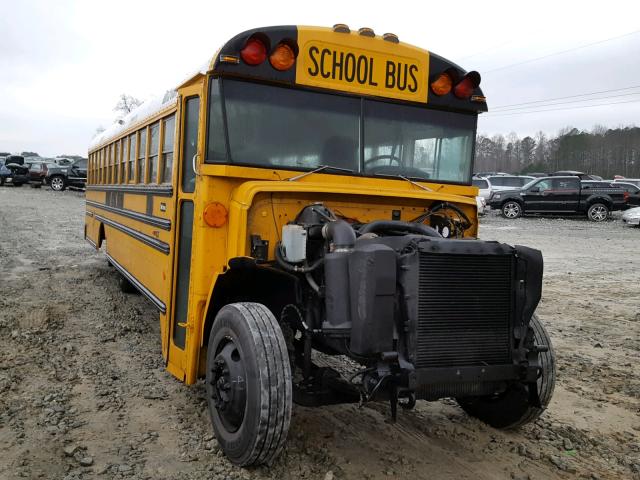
(632,216)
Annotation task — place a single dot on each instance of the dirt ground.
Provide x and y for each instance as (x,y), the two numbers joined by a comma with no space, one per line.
(83,391)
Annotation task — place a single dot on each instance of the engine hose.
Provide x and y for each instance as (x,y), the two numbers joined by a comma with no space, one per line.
(340,234)
(294,268)
(450,206)
(396,225)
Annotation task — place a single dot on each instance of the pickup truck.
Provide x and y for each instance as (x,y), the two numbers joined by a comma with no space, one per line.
(560,196)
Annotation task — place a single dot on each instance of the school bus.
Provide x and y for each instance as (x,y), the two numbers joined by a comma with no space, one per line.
(305,194)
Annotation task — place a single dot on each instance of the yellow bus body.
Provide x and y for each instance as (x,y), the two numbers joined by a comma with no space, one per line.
(137,221)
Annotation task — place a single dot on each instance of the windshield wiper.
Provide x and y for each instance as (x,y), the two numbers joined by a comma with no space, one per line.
(407,179)
(318,169)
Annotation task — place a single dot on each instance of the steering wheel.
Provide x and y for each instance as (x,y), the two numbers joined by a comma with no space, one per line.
(393,158)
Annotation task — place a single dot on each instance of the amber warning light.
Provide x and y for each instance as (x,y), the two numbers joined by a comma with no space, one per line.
(283,56)
(463,89)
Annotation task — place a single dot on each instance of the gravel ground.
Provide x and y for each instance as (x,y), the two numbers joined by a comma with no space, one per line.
(83,391)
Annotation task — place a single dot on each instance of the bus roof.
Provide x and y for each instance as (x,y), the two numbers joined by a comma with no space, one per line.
(338,59)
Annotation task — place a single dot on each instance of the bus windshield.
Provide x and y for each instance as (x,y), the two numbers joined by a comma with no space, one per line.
(276,127)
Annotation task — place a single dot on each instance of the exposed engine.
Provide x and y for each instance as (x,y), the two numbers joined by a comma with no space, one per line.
(426,316)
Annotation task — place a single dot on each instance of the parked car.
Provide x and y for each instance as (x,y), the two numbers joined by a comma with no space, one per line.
(489,174)
(632,189)
(482,205)
(74,175)
(38,171)
(632,216)
(635,181)
(560,195)
(14,171)
(484,187)
(508,182)
(581,175)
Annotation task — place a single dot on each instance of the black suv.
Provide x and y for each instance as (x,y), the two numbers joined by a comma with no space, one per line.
(74,175)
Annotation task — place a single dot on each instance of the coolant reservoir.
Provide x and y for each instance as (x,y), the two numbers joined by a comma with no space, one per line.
(294,243)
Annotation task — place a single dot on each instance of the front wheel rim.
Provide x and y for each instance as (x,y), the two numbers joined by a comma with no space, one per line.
(598,213)
(511,210)
(56,184)
(228,382)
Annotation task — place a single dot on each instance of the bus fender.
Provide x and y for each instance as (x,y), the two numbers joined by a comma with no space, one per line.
(247,281)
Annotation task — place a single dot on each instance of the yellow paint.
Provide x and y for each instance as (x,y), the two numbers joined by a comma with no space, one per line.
(354,63)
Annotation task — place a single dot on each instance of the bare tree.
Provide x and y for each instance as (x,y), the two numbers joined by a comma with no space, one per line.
(99,130)
(126,104)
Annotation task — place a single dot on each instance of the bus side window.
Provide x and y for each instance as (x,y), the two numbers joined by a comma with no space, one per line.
(142,155)
(169,127)
(154,145)
(132,159)
(116,161)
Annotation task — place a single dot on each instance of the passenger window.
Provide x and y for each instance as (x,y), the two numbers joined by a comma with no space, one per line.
(564,184)
(142,155)
(116,155)
(132,158)
(107,150)
(512,182)
(154,145)
(125,160)
(169,127)
(103,167)
(543,185)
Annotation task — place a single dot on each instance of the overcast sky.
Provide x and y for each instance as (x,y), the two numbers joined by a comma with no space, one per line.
(63,64)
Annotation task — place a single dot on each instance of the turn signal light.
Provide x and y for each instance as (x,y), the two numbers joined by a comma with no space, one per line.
(467,85)
(215,215)
(254,51)
(442,85)
(283,57)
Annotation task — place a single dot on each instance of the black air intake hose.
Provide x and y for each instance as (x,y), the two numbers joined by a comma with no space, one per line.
(340,233)
(398,226)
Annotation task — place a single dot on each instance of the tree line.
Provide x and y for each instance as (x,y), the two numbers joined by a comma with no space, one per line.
(601,151)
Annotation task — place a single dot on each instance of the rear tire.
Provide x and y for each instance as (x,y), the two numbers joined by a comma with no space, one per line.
(512,409)
(598,212)
(248,384)
(511,209)
(57,183)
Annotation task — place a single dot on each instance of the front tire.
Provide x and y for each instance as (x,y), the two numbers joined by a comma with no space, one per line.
(511,209)
(598,212)
(57,183)
(248,384)
(512,409)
